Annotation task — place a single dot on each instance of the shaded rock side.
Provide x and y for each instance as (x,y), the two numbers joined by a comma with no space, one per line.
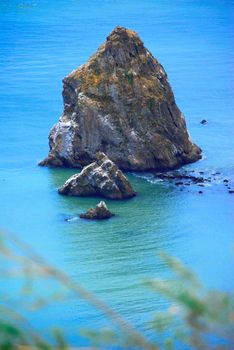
(101,212)
(101,178)
(120,102)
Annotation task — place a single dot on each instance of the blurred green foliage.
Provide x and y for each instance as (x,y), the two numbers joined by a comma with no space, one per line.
(196,318)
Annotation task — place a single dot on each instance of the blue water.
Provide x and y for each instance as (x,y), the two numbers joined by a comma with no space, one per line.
(40,43)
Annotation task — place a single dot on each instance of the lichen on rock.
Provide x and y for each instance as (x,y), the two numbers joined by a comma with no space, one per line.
(120,102)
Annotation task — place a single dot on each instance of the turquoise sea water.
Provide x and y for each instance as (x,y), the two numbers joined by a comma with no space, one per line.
(40,43)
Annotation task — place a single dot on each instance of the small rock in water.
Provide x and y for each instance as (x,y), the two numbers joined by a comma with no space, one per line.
(225,181)
(101,178)
(101,212)
(231,191)
(200,192)
(179,183)
(204,121)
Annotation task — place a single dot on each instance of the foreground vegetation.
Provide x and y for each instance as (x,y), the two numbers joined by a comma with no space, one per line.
(196,318)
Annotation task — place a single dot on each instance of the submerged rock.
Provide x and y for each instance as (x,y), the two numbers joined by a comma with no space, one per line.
(101,212)
(101,178)
(204,121)
(120,102)
(181,176)
(192,178)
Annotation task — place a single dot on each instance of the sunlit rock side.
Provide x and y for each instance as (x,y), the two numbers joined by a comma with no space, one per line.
(120,102)
(101,178)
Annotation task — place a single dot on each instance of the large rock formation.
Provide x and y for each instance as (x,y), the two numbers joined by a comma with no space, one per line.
(120,102)
(101,178)
(100,212)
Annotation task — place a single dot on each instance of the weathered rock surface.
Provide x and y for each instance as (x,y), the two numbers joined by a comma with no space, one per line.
(101,178)
(101,212)
(120,102)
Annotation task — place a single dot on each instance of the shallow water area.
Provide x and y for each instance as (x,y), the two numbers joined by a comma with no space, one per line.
(41,42)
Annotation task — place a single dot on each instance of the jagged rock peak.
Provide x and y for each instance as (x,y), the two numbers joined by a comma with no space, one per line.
(126,38)
(120,50)
(101,178)
(122,34)
(120,102)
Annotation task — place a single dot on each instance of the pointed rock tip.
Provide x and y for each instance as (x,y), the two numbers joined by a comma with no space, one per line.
(122,34)
(101,156)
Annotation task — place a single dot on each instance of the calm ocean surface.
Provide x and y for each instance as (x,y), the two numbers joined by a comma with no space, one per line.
(40,43)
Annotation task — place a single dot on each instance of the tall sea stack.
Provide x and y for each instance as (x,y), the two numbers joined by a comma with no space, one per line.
(120,102)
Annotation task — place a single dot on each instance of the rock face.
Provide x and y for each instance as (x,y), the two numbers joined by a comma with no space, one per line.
(101,212)
(120,102)
(101,178)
